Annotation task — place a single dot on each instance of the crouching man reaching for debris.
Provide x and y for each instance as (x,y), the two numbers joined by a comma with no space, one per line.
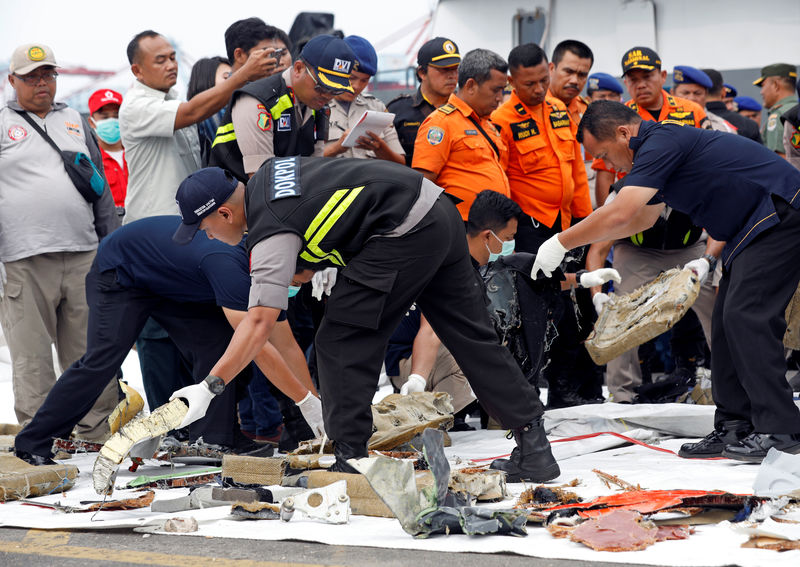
(742,194)
(198,293)
(397,240)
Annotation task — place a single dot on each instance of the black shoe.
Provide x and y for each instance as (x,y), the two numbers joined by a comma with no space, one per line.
(36,460)
(533,462)
(344,451)
(713,444)
(754,447)
(459,424)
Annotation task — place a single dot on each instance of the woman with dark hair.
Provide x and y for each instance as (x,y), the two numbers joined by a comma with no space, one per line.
(206,73)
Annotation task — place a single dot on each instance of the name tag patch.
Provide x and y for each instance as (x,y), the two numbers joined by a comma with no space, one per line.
(284,123)
(284,179)
(470,132)
(559,119)
(524,130)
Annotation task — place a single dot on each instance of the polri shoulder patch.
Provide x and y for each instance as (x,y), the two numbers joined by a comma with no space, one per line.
(284,178)
(446,108)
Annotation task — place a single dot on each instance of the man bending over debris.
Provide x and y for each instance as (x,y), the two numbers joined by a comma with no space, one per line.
(191,290)
(742,194)
(397,240)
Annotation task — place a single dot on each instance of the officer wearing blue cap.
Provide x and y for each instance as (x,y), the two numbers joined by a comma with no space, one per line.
(348,107)
(602,86)
(286,114)
(693,84)
(730,94)
(749,108)
(715,104)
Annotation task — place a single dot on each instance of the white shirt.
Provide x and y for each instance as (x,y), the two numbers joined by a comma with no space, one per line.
(159,157)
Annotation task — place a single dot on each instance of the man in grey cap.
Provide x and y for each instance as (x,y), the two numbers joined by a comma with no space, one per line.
(777,83)
(49,237)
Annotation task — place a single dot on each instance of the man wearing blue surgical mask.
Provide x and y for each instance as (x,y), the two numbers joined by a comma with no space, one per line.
(104,119)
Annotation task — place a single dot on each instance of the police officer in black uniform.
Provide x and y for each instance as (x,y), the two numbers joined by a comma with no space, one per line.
(398,239)
(437,71)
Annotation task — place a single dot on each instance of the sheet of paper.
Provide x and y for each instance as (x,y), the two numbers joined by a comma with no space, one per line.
(372,121)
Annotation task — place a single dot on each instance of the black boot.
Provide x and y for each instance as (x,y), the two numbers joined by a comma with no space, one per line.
(754,447)
(713,444)
(36,460)
(563,393)
(344,451)
(533,461)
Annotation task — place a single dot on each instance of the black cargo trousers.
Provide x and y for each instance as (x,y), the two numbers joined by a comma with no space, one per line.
(430,265)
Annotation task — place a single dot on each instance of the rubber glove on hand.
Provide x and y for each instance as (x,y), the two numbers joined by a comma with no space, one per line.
(416,383)
(699,267)
(3,280)
(198,397)
(548,257)
(599,277)
(323,282)
(311,408)
(599,301)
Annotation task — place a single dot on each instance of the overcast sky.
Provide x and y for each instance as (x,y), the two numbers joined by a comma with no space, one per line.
(95,34)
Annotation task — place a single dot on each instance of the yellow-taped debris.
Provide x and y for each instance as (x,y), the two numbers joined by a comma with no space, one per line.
(163,419)
(127,409)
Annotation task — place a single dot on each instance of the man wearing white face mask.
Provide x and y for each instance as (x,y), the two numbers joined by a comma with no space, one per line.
(104,119)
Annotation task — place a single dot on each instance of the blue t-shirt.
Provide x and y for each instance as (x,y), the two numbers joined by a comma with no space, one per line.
(203,271)
(723,182)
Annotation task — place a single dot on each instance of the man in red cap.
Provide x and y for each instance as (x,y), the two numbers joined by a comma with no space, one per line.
(104,119)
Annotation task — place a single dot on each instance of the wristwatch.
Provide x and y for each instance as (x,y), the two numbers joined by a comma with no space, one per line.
(712,262)
(216,385)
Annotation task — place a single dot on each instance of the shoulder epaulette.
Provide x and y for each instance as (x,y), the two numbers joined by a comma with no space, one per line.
(446,108)
(399,97)
(520,109)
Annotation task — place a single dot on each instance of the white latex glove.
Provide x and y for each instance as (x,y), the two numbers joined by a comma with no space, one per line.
(599,277)
(416,383)
(3,280)
(323,282)
(311,408)
(197,397)
(548,257)
(699,267)
(599,301)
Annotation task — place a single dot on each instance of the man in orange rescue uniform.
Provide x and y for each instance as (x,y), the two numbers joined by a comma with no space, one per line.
(457,147)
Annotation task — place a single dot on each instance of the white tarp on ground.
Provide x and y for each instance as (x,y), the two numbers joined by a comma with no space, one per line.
(711,545)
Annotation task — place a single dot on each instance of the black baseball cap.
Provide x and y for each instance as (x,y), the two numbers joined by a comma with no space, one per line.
(198,196)
(640,58)
(331,59)
(439,52)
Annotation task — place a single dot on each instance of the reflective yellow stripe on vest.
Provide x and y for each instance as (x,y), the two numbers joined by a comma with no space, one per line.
(283,103)
(225,134)
(330,213)
(637,238)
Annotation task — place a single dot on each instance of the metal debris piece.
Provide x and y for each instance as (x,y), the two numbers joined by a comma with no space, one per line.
(665,533)
(75,446)
(199,498)
(630,320)
(142,501)
(397,419)
(127,409)
(609,479)
(435,509)
(181,525)
(774,544)
(482,484)
(159,422)
(620,530)
(330,504)
(176,479)
(256,511)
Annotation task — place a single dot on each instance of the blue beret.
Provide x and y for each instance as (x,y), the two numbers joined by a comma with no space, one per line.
(685,74)
(747,103)
(730,90)
(366,58)
(603,82)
